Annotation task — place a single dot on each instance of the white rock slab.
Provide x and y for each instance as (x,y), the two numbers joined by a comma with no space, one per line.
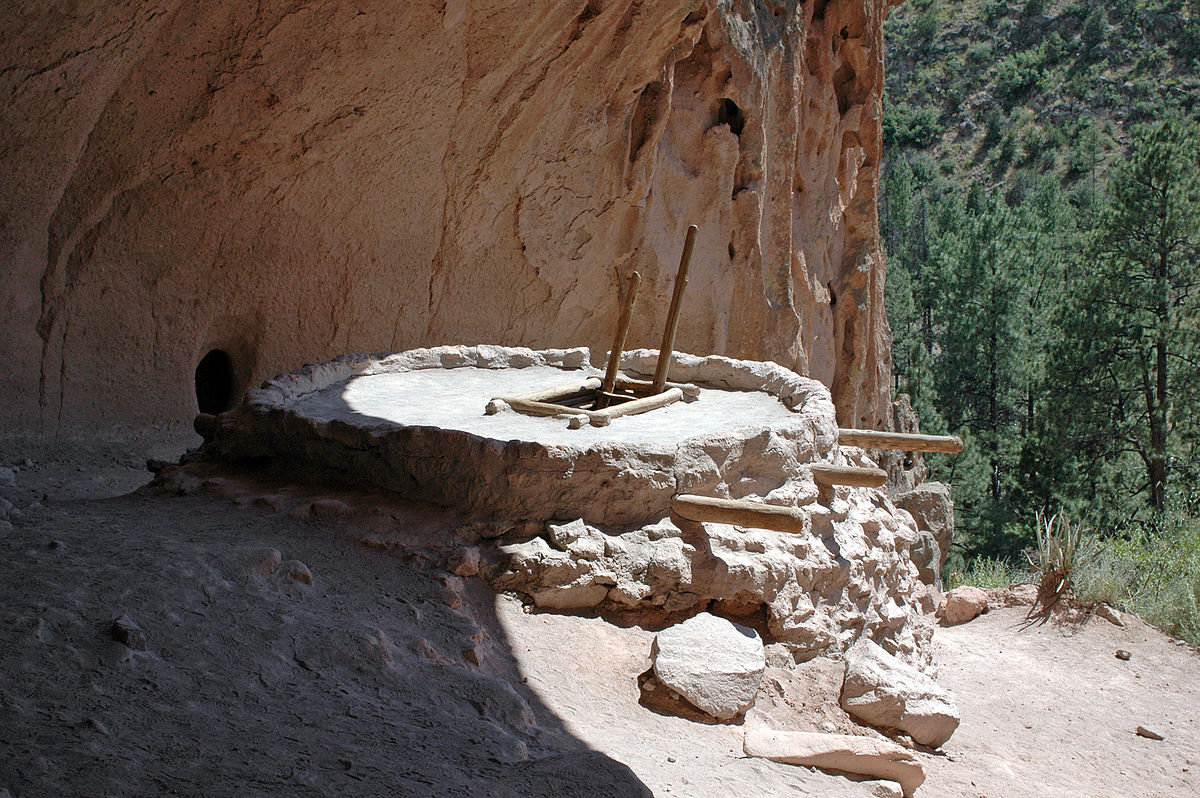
(714,663)
(847,753)
(882,691)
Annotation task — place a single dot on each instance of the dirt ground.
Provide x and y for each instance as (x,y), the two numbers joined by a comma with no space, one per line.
(387,676)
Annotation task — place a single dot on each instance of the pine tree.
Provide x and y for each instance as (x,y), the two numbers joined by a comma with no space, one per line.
(1129,363)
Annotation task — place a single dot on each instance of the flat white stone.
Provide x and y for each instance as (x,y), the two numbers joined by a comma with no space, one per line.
(714,663)
(842,752)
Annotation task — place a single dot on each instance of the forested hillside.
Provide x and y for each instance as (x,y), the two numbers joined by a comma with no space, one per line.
(1041,215)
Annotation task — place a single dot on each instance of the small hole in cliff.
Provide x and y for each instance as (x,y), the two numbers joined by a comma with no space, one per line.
(845,33)
(214,382)
(728,113)
(819,9)
(832,295)
(732,252)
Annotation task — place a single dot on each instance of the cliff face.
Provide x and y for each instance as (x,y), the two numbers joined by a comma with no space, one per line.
(287,181)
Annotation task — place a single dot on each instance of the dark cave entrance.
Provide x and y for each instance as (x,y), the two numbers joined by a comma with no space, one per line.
(214,382)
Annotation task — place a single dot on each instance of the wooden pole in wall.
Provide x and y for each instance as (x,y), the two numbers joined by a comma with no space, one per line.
(901,441)
(614,356)
(740,513)
(668,341)
(826,474)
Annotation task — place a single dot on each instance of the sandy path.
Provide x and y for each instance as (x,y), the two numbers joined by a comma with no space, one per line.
(1050,710)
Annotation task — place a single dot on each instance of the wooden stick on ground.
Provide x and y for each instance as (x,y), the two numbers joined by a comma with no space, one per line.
(739,512)
(902,441)
(668,342)
(826,474)
(618,346)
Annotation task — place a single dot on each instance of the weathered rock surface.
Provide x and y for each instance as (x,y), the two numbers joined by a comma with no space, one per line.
(884,692)
(714,663)
(850,575)
(288,182)
(962,604)
(927,556)
(932,508)
(841,752)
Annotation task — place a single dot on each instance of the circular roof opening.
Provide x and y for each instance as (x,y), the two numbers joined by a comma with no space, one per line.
(214,382)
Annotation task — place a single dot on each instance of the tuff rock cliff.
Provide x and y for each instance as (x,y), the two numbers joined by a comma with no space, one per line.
(288,181)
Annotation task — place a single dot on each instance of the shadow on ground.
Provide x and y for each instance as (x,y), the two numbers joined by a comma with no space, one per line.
(251,682)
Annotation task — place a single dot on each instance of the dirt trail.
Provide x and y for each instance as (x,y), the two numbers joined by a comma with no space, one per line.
(386,677)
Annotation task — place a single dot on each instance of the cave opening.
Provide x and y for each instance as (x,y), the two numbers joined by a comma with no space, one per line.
(728,113)
(214,382)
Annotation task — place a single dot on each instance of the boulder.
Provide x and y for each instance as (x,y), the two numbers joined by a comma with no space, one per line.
(846,753)
(963,604)
(126,631)
(714,663)
(882,691)
(932,507)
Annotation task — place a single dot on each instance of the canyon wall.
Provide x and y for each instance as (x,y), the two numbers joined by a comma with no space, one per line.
(288,181)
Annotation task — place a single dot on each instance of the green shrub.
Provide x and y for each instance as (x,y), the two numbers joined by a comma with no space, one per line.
(904,126)
(1103,574)
(986,572)
(1019,74)
(1153,572)
(926,26)
(978,53)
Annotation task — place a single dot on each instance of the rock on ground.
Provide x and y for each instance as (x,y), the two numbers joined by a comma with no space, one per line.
(886,693)
(842,752)
(962,604)
(714,663)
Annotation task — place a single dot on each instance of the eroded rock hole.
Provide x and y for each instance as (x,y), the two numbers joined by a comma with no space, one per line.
(845,87)
(728,113)
(214,382)
(819,9)
(590,12)
(832,295)
(647,114)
